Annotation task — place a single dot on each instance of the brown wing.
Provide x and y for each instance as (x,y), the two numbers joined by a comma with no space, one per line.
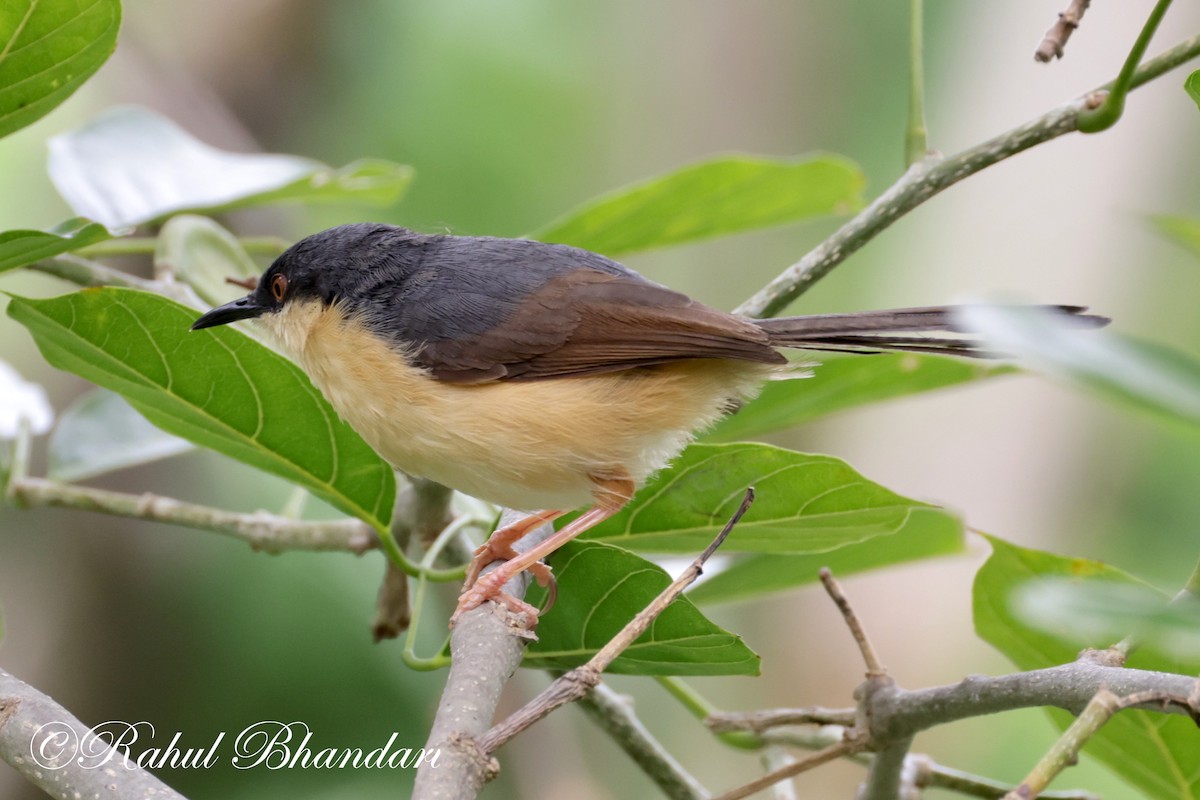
(585,322)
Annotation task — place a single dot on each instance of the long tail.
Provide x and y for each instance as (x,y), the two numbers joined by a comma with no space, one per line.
(877,331)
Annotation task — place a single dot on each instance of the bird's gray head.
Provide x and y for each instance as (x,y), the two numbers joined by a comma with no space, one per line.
(342,264)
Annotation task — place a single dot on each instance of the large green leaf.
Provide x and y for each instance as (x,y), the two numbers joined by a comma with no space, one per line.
(48,48)
(1158,753)
(927,533)
(839,382)
(602,588)
(217,388)
(1146,375)
(130,166)
(713,198)
(804,504)
(21,247)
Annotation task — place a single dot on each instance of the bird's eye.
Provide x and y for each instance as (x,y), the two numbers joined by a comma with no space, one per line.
(278,287)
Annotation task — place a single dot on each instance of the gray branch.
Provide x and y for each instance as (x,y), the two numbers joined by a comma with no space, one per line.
(485,650)
(55,752)
(925,179)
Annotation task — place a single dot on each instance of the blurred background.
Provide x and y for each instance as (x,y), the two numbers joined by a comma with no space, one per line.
(514,112)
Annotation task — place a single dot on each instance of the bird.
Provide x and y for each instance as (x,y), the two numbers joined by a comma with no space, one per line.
(533,375)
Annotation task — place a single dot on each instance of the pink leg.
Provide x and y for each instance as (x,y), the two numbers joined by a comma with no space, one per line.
(611,496)
(500,546)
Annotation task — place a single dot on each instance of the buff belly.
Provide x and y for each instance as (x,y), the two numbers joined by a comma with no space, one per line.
(526,445)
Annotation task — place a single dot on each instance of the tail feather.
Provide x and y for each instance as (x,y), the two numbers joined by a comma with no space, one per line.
(878,331)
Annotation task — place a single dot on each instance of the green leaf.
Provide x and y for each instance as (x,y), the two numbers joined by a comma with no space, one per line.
(203,254)
(601,589)
(805,504)
(130,166)
(100,433)
(217,388)
(48,48)
(727,195)
(927,533)
(1155,752)
(1191,85)
(21,247)
(1146,375)
(1184,231)
(845,381)
(1109,611)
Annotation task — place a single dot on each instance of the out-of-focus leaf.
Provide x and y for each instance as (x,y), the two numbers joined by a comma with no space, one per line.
(1097,611)
(804,504)
(48,48)
(100,433)
(130,166)
(203,255)
(20,399)
(839,382)
(602,588)
(926,533)
(1147,375)
(1155,752)
(1191,85)
(20,247)
(723,196)
(216,388)
(1182,230)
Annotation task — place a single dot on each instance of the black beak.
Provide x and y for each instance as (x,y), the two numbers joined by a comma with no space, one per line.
(243,308)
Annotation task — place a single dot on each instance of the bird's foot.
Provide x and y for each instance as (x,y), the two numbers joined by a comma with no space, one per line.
(488,588)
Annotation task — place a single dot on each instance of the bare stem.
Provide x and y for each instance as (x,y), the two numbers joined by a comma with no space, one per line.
(1056,38)
(1094,120)
(831,753)
(270,533)
(924,180)
(916,144)
(875,668)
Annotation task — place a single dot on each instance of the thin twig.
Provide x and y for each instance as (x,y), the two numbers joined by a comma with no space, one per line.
(579,681)
(834,751)
(1056,38)
(263,531)
(764,720)
(875,669)
(614,715)
(924,180)
(930,774)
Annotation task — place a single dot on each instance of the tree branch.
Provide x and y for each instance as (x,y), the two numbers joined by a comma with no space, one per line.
(55,752)
(925,179)
(263,531)
(486,647)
